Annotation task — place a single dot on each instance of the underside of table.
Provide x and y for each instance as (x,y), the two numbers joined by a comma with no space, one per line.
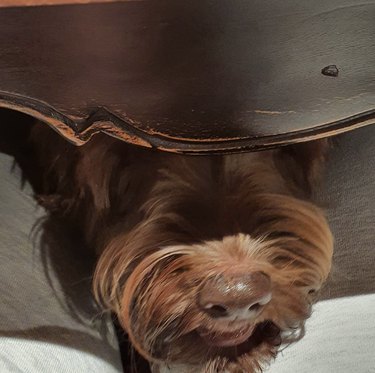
(193,77)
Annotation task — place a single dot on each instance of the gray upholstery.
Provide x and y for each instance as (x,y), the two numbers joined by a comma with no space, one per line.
(349,194)
(48,323)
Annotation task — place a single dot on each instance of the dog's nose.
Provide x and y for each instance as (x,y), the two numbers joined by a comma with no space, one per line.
(235,296)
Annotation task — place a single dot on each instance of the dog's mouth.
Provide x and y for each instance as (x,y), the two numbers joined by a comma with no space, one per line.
(227,338)
(234,343)
(223,342)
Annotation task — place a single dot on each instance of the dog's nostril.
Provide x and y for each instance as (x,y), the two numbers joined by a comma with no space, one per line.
(235,295)
(216,310)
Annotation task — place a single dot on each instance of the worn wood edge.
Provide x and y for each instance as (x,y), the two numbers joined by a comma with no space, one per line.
(79,131)
(58,122)
(199,147)
(102,120)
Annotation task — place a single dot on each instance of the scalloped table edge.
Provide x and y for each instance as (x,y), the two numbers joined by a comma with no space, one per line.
(102,120)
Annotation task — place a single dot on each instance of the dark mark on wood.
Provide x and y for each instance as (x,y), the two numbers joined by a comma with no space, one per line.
(330,70)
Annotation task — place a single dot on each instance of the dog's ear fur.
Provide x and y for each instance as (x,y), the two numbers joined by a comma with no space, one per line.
(70,172)
(302,164)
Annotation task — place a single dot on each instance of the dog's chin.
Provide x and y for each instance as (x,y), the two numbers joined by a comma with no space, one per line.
(229,344)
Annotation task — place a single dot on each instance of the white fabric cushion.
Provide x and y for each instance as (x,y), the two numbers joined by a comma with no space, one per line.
(19,355)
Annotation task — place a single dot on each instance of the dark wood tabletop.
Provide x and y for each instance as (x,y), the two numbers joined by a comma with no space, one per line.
(192,76)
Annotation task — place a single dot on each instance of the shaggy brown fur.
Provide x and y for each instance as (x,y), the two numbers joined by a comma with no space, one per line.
(162,224)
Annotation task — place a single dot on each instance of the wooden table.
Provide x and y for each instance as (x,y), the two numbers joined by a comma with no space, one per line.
(195,76)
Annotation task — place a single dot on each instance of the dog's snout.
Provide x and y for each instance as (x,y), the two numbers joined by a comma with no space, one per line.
(236,296)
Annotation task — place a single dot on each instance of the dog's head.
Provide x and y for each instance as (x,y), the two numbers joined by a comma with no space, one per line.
(223,304)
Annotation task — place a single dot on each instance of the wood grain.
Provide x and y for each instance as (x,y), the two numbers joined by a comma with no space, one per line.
(193,77)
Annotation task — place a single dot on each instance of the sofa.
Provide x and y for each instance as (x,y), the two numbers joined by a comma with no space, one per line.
(50,323)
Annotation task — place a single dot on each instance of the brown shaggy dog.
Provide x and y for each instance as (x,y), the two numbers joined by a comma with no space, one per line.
(211,262)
